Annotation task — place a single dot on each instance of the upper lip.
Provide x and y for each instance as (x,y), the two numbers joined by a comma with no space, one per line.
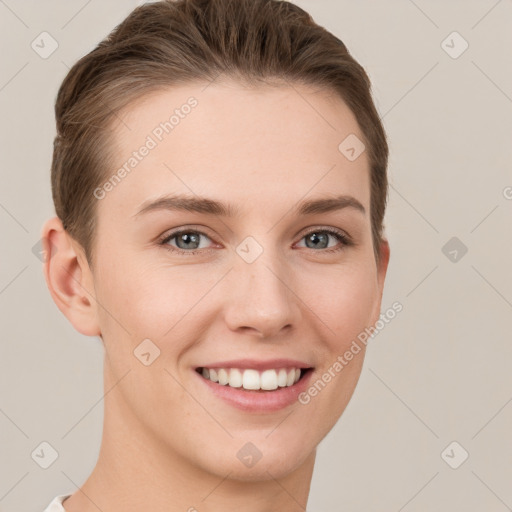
(257,365)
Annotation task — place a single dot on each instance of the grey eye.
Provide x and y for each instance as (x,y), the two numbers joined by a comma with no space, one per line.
(317,240)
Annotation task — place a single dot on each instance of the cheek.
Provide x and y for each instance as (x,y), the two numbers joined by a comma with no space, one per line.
(142,300)
(343,302)
(342,311)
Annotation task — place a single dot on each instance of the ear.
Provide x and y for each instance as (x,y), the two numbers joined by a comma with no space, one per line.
(383,264)
(69,278)
(382,267)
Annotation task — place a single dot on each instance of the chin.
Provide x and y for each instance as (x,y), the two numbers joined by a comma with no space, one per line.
(250,463)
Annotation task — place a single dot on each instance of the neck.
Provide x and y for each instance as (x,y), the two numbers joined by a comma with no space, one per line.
(135,471)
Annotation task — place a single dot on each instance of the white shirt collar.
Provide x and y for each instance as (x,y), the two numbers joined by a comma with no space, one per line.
(56,504)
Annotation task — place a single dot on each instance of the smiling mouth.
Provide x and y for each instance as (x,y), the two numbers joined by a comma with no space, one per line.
(254,380)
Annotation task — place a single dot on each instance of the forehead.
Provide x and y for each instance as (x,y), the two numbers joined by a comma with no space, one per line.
(224,140)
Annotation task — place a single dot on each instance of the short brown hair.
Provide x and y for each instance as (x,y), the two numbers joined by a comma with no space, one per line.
(181,41)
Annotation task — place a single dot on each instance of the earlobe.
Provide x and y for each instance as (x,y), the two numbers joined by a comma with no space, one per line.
(69,278)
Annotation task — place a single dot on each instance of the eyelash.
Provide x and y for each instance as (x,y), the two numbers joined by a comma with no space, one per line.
(342,237)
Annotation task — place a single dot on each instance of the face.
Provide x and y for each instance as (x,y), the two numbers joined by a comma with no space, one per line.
(266,282)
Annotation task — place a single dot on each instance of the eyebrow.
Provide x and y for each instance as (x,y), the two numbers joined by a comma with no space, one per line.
(212,207)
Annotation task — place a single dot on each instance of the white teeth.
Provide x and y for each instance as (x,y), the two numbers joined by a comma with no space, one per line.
(223,376)
(282,378)
(267,380)
(251,379)
(235,378)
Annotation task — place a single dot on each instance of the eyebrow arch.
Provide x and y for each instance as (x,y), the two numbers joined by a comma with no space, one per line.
(329,205)
(213,207)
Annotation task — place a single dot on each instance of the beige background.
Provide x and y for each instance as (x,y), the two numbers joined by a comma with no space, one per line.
(439,372)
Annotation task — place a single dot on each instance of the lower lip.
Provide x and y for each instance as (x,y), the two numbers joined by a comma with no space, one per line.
(259,401)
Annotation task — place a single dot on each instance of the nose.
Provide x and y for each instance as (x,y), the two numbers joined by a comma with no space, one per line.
(260,298)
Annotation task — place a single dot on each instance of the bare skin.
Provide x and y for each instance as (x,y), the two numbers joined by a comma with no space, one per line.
(169,444)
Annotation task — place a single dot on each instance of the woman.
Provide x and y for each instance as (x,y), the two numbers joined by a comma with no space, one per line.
(219,179)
